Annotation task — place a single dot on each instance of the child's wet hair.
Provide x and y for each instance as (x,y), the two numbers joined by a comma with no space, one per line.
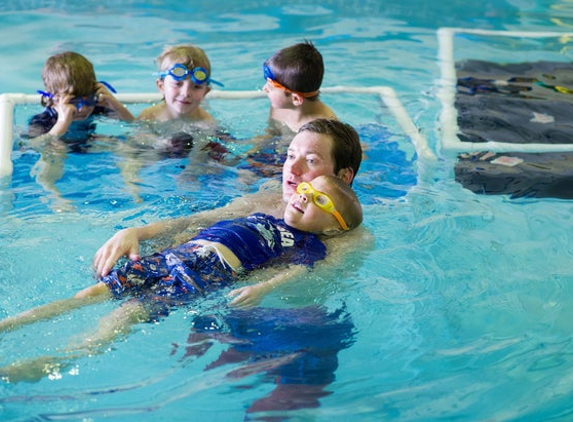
(188,55)
(345,200)
(69,73)
(298,67)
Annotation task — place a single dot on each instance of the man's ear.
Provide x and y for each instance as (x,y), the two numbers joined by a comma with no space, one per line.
(346,175)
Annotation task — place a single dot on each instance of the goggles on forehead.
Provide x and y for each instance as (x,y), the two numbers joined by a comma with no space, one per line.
(271,79)
(322,201)
(84,101)
(179,72)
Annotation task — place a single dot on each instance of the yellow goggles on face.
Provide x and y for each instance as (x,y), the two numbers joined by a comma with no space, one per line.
(322,201)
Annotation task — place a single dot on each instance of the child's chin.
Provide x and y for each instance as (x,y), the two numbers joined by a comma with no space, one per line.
(291,220)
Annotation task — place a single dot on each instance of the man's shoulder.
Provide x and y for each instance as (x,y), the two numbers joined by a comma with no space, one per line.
(359,239)
(267,200)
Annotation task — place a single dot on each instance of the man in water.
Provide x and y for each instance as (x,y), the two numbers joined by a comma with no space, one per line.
(321,147)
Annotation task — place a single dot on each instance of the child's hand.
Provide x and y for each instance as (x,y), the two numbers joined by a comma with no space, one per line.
(104,97)
(124,242)
(66,111)
(66,114)
(248,296)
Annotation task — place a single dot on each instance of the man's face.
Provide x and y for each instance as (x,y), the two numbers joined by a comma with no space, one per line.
(309,155)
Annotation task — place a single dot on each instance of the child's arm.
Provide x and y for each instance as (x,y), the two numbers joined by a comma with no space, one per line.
(252,295)
(106,99)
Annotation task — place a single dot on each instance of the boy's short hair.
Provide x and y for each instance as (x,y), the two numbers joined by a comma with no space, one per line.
(345,201)
(346,147)
(69,73)
(299,67)
(188,55)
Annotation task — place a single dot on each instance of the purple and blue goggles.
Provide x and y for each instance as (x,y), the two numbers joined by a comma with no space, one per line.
(85,101)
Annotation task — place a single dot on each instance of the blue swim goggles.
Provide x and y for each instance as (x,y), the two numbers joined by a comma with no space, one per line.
(179,72)
(79,102)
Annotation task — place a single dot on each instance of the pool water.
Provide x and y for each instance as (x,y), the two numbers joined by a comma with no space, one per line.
(461,312)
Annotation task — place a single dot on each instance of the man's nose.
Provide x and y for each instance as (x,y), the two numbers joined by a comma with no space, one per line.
(296,167)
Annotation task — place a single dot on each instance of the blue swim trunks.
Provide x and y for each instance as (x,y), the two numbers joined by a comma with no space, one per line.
(186,270)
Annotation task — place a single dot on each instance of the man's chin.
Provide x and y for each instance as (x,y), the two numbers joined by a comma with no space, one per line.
(288,191)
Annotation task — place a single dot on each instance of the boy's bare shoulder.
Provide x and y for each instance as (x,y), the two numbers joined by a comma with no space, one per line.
(149,113)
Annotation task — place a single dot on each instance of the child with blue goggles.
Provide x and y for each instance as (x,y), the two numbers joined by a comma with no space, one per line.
(184,81)
(179,72)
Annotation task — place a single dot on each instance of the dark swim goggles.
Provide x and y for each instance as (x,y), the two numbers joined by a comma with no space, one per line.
(179,72)
(79,102)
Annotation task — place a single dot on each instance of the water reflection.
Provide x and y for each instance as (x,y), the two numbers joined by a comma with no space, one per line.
(294,349)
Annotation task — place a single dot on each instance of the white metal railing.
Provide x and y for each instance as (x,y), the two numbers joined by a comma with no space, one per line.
(9,100)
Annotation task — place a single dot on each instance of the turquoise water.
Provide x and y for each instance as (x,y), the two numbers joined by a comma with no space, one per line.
(462,311)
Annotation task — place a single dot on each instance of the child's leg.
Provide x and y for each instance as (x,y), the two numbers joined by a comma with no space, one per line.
(114,325)
(93,294)
(129,165)
(117,323)
(47,171)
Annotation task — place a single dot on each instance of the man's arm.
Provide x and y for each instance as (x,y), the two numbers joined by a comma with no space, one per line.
(267,200)
(350,245)
(178,231)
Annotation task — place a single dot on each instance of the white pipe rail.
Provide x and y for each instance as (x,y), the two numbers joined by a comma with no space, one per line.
(450,143)
(10,100)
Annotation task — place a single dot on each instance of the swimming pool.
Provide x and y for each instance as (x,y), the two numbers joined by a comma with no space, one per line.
(461,312)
